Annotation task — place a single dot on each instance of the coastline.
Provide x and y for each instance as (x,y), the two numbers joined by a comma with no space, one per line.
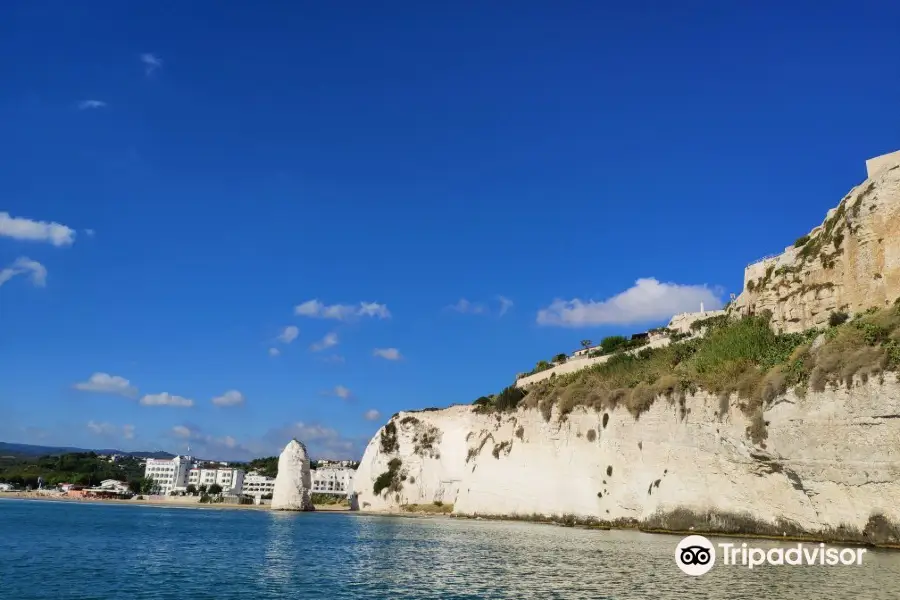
(596,526)
(154,503)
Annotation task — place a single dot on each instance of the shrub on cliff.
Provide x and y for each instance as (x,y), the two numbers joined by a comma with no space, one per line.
(612,343)
(389,442)
(390,479)
(509,398)
(837,318)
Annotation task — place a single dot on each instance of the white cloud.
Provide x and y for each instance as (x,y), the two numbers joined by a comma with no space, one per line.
(330,340)
(647,301)
(165,399)
(229,398)
(387,353)
(334,358)
(212,447)
(342,392)
(341,312)
(289,334)
(372,309)
(274,351)
(104,383)
(24,229)
(471,308)
(151,62)
(111,431)
(322,442)
(89,232)
(90,104)
(372,415)
(23,265)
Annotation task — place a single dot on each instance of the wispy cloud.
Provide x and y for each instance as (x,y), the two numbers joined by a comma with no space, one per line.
(322,441)
(646,301)
(387,353)
(342,392)
(151,62)
(469,307)
(329,341)
(289,334)
(274,351)
(334,359)
(215,447)
(108,430)
(91,104)
(25,229)
(341,312)
(104,383)
(166,399)
(229,398)
(372,415)
(23,265)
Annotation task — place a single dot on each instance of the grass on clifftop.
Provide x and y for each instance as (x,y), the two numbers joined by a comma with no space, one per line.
(742,358)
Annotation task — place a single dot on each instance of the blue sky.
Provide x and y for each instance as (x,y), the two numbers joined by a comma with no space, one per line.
(177,180)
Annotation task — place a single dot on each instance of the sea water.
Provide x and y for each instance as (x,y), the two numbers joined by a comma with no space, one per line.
(64,550)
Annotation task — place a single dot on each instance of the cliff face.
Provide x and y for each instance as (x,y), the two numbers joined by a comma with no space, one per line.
(830,459)
(849,263)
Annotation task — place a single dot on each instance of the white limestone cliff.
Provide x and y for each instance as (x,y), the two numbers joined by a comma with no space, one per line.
(848,264)
(294,482)
(830,459)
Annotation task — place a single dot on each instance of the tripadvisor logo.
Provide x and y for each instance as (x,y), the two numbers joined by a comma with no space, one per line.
(696,555)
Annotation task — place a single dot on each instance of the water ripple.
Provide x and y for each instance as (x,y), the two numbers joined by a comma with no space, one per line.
(65,551)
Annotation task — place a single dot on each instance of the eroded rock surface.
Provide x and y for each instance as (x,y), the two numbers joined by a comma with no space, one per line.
(848,264)
(294,481)
(829,459)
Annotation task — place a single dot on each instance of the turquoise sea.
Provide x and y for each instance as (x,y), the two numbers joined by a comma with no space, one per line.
(62,551)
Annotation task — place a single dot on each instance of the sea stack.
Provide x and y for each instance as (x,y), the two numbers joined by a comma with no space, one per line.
(293,483)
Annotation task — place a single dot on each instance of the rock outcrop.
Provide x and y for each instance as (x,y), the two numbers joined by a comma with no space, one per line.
(848,264)
(830,459)
(294,482)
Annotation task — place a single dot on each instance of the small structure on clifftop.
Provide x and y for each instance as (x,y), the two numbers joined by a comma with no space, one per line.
(293,483)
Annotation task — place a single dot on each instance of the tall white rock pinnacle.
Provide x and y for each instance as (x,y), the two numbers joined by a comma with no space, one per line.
(294,482)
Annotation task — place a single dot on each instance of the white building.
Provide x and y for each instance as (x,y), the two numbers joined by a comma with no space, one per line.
(230,480)
(6,487)
(332,480)
(114,485)
(258,485)
(169,473)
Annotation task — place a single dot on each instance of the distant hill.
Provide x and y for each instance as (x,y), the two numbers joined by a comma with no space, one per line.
(7,449)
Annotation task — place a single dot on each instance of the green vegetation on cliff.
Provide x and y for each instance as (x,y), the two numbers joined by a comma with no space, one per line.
(737,357)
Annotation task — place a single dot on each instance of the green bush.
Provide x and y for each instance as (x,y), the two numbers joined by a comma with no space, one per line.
(389,442)
(801,241)
(612,343)
(390,479)
(509,398)
(837,318)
